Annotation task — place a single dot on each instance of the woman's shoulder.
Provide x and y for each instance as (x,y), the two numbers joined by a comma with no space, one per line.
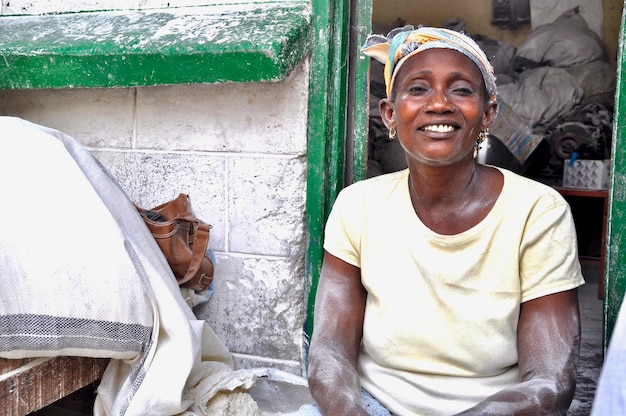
(528,188)
(379,184)
(376,192)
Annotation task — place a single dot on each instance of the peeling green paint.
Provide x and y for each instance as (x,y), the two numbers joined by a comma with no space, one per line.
(615,275)
(209,44)
(326,131)
(361,27)
(337,138)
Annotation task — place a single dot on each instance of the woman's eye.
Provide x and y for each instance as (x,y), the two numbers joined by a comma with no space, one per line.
(463,90)
(417,88)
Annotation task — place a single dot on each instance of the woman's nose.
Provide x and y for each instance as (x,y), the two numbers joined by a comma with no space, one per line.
(438,102)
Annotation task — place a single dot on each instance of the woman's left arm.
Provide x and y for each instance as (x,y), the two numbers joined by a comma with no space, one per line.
(548,340)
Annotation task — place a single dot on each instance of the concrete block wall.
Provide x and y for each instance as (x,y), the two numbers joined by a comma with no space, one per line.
(239,151)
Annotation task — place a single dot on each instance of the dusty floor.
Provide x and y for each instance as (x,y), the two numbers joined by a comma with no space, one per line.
(591,356)
(589,366)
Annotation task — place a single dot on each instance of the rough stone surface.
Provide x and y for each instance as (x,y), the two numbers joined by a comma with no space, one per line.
(239,151)
(264,119)
(267,205)
(96,117)
(289,366)
(257,306)
(152,178)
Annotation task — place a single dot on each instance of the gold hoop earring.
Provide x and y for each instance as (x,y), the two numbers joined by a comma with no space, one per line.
(482,136)
(393,132)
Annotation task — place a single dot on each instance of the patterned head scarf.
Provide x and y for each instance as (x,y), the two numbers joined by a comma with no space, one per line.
(404,42)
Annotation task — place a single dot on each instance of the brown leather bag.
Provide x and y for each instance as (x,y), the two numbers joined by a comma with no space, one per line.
(183,239)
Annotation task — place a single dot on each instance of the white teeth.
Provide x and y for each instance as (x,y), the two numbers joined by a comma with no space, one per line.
(440,128)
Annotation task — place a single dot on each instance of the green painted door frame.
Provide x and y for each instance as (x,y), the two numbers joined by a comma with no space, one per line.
(615,275)
(337,126)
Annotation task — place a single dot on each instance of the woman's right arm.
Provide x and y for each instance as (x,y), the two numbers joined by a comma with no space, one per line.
(335,344)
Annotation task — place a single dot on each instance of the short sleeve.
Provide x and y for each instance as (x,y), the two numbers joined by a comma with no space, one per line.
(549,253)
(343,228)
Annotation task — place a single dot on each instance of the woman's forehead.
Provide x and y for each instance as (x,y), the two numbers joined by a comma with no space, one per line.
(440,59)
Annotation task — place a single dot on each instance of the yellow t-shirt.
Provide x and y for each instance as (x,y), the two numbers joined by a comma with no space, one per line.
(442,311)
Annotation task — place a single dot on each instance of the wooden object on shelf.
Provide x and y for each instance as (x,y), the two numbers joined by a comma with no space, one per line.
(29,384)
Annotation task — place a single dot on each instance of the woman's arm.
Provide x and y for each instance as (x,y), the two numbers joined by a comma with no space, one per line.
(548,340)
(338,328)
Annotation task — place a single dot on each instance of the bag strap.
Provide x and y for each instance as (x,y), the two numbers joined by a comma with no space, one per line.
(200,243)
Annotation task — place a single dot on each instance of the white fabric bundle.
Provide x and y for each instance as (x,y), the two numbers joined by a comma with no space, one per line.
(81,275)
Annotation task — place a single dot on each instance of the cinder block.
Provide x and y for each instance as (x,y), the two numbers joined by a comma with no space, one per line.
(251,118)
(149,179)
(96,117)
(259,306)
(266,205)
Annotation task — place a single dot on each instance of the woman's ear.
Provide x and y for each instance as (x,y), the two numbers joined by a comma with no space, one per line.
(491,112)
(386,108)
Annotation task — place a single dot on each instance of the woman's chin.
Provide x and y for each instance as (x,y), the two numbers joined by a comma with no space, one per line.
(439,158)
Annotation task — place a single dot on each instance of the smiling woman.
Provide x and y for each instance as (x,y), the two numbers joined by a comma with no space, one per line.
(482,261)
(437,100)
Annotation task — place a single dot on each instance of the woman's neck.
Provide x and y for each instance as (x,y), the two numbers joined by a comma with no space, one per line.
(434,185)
(451,201)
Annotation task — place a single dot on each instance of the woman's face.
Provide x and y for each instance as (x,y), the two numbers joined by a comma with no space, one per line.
(439,108)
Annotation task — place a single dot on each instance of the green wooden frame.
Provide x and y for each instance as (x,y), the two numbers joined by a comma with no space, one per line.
(327,94)
(337,120)
(615,275)
(358,114)
(208,44)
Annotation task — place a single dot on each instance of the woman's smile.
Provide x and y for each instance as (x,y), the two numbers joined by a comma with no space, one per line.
(439,128)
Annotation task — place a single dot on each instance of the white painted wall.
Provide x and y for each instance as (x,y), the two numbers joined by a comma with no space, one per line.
(238,150)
